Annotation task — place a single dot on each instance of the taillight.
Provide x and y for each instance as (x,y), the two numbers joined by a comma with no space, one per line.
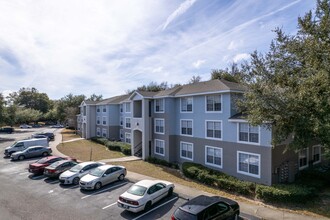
(172,217)
(128,201)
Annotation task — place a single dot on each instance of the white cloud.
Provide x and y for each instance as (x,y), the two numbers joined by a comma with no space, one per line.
(198,63)
(241,56)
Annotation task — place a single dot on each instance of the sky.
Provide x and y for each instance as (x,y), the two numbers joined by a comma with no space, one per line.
(108,47)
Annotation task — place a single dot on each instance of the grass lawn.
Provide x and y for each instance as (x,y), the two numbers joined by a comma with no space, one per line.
(68,134)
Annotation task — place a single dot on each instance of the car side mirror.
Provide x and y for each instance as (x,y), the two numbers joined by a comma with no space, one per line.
(81,171)
(104,174)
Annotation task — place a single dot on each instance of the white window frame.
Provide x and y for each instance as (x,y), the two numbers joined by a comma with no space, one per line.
(104,131)
(98,132)
(98,120)
(247,142)
(129,122)
(221,128)
(104,119)
(162,102)
(192,151)
(128,134)
(155,125)
(121,134)
(213,105)
(126,109)
(221,156)
(307,158)
(192,105)
(320,152)
(192,127)
(163,147)
(248,173)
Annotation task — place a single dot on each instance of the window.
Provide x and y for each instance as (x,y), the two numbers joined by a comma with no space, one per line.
(248,164)
(121,134)
(248,133)
(98,109)
(104,120)
(187,104)
(213,129)
(127,122)
(213,156)
(104,132)
(104,109)
(303,158)
(121,121)
(316,154)
(159,126)
(128,107)
(128,138)
(159,105)
(98,132)
(121,107)
(186,150)
(160,147)
(213,103)
(98,120)
(186,127)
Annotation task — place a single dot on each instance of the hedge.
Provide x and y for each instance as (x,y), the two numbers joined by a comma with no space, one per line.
(285,193)
(155,160)
(113,145)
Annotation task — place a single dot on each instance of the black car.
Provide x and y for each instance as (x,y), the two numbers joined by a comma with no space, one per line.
(7,130)
(49,135)
(205,207)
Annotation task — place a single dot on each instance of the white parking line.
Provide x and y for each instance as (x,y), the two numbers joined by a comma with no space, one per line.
(103,190)
(72,187)
(109,205)
(155,208)
(23,173)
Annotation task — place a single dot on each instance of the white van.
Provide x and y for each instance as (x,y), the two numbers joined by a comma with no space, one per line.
(23,144)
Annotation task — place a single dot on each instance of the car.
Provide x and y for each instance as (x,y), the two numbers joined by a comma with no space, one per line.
(73,175)
(55,169)
(50,135)
(57,126)
(36,126)
(39,136)
(7,130)
(25,126)
(34,151)
(38,167)
(143,194)
(101,176)
(207,207)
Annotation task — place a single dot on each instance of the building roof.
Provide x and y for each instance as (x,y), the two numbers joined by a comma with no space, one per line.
(113,100)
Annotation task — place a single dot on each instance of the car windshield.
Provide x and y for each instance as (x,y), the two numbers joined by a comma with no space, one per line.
(53,165)
(42,160)
(137,190)
(76,168)
(97,172)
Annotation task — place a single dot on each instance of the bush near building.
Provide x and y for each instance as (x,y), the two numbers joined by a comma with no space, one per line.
(113,145)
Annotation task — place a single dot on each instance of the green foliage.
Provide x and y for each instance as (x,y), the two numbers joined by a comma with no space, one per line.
(153,87)
(232,75)
(290,85)
(26,115)
(113,145)
(285,193)
(31,98)
(155,160)
(217,179)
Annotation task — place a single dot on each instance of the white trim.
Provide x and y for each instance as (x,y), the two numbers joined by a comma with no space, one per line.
(104,131)
(162,141)
(192,127)
(247,173)
(155,101)
(212,92)
(98,132)
(98,109)
(307,158)
(247,142)
(192,152)
(320,151)
(159,119)
(98,120)
(212,164)
(221,130)
(130,122)
(130,110)
(104,107)
(238,120)
(221,102)
(192,105)
(104,119)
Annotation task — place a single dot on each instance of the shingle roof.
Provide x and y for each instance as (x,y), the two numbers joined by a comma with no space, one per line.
(113,100)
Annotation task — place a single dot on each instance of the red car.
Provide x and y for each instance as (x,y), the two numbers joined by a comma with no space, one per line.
(39,166)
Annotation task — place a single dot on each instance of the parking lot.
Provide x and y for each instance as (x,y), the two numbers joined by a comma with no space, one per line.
(25,196)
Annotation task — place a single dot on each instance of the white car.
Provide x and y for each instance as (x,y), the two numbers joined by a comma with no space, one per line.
(25,126)
(143,194)
(73,175)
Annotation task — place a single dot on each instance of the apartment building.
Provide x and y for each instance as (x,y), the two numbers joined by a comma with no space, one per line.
(199,123)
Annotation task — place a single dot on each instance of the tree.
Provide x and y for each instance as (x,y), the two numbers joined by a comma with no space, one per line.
(2,109)
(26,115)
(233,74)
(153,87)
(194,79)
(290,85)
(65,105)
(95,97)
(31,98)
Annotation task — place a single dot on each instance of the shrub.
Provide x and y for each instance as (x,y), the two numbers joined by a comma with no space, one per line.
(155,160)
(285,193)
(113,145)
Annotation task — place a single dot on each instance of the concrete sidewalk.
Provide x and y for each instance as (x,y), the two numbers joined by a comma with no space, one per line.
(250,208)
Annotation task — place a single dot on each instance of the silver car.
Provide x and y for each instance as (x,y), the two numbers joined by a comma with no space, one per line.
(101,176)
(34,151)
(73,175)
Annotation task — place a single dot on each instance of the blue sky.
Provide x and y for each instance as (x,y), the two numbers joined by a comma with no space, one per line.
(109,47)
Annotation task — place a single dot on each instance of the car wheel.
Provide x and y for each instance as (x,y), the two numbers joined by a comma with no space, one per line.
(44,154)
(170,192)
(236,216)
(75,181)
(147,207)
(97,186)
(121,177)
(21,157)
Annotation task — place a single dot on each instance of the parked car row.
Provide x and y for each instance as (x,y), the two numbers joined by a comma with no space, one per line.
(7,130)
(24,144)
